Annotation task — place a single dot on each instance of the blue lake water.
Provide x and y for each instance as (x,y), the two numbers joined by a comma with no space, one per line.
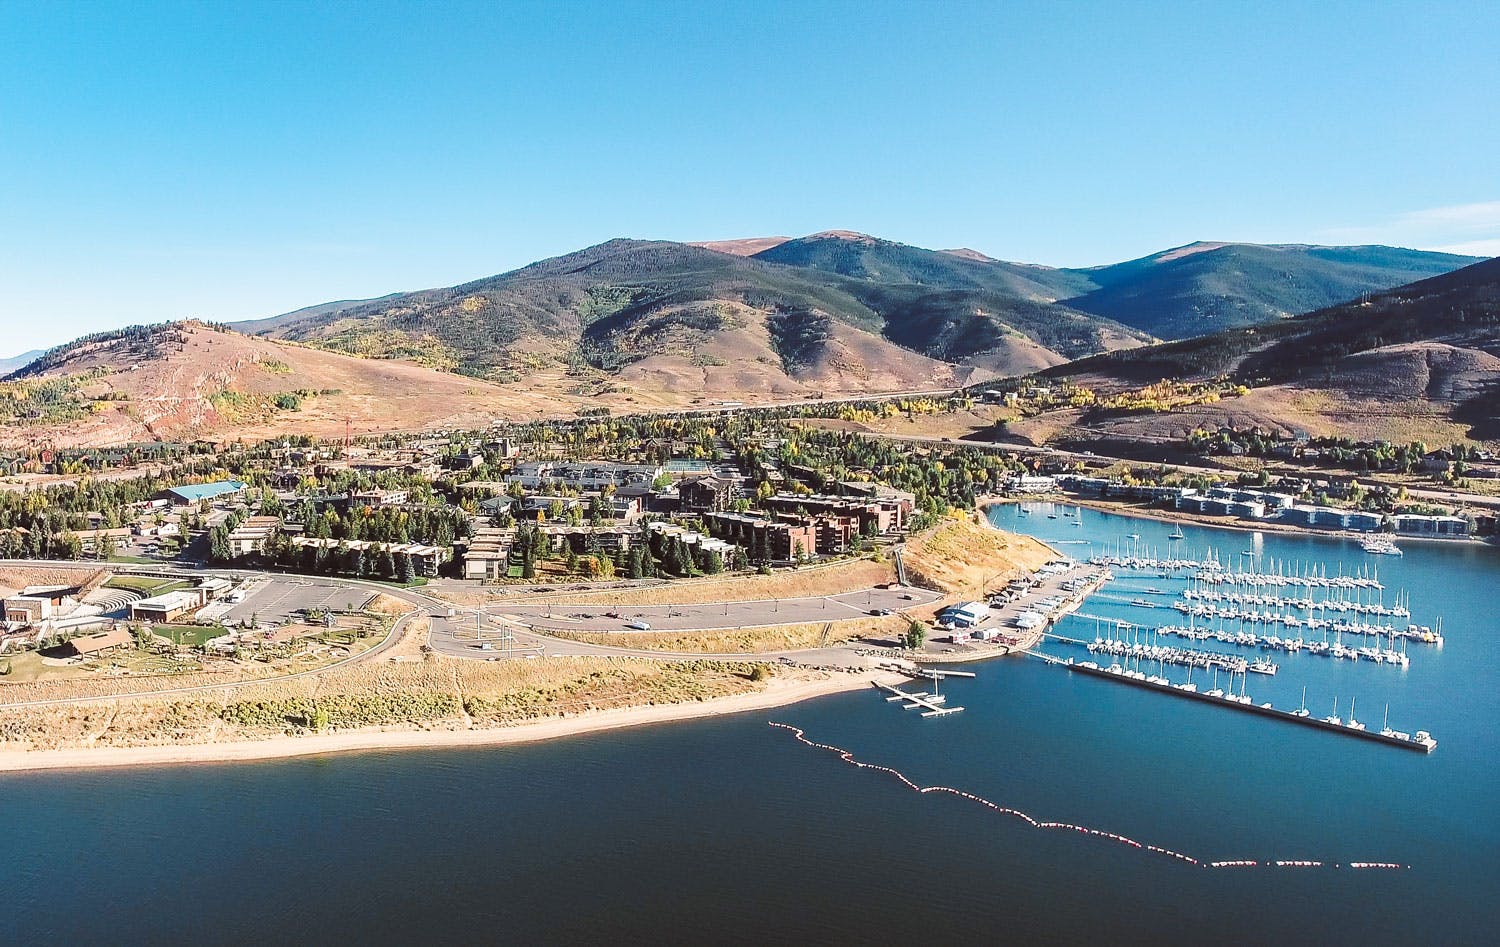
(730,830)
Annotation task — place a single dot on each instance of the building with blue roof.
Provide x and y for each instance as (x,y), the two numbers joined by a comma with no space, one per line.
(197,492)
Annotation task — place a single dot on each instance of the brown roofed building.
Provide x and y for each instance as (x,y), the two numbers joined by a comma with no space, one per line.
(707,494)
(88,646)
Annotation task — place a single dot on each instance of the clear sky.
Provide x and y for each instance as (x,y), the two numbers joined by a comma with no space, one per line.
(236,160)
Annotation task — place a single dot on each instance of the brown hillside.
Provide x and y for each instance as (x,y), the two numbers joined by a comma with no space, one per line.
(964,557)
(219,384)
(747,246)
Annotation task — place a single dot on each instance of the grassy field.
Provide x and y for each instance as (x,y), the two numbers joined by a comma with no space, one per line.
(423,693)
(846,576)
(746,640)
(146,584)
(964,556)
(189,636)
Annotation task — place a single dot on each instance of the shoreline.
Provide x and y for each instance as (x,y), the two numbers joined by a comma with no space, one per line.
(779,693)
(1193,519)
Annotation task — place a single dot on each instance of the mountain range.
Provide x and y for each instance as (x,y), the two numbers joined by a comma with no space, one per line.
(636,325)
(1418,362)
(8,365)
(836,310)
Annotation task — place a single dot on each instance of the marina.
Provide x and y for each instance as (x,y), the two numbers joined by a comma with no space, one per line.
(1421,741)
(1247,639)
(1183,657)
(1256,603)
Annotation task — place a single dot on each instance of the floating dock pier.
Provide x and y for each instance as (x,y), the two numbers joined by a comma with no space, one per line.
(931,705)
(1422,742)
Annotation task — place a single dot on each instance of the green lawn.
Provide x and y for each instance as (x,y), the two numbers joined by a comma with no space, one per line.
(418,582)
(145,584)
(188,635)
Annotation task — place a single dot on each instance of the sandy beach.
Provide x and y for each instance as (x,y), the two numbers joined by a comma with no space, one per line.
(778,693)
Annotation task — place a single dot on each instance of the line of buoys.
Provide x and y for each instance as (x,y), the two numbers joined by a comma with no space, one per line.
(848,757)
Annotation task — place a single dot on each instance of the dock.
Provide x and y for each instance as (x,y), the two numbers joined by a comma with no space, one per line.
(934,674)
(931,705)
(1422,742)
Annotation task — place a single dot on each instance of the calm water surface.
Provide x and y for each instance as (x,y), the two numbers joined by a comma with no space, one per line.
(729,830)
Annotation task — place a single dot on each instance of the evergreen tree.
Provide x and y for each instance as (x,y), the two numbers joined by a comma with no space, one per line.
(218,544)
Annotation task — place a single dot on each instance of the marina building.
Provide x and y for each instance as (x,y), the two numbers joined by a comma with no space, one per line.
(1412,524)
(964,615)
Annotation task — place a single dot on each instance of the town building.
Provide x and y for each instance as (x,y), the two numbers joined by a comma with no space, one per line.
(93,540)
(705,494)
(252,536)
(1412,524)
(168,607)
(692,538)
(783,539)
(1327,517)
(28,609)
(425,560)
(486,554)
(964,614)
(101,643)
(596,475)
(375,499)
(198,492)
(878,515)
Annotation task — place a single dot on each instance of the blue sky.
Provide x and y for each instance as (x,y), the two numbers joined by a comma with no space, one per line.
(230,161)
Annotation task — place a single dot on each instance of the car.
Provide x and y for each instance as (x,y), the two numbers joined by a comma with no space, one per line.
(881,611)
(909,597)
(638,626)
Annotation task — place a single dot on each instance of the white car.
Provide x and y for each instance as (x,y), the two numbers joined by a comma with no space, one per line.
(638,626)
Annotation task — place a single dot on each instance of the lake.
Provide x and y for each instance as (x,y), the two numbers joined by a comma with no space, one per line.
(730,830)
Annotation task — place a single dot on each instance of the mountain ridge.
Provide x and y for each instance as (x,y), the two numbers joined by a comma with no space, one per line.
(624,301)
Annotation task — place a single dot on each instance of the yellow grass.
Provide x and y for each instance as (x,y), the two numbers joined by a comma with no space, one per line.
(744,640)
(961,556)
(431,693)
(832,579)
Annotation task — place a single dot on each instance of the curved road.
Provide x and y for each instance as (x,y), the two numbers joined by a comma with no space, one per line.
(446,637)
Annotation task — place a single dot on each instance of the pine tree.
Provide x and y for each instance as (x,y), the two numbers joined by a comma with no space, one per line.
(218,544)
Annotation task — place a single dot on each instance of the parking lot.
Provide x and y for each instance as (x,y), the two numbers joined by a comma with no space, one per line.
(277,599)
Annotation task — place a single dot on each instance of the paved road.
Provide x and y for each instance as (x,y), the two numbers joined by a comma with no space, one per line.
(508,640)
(708,617)
(455,637)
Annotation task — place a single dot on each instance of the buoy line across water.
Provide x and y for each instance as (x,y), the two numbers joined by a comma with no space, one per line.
(849,758)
